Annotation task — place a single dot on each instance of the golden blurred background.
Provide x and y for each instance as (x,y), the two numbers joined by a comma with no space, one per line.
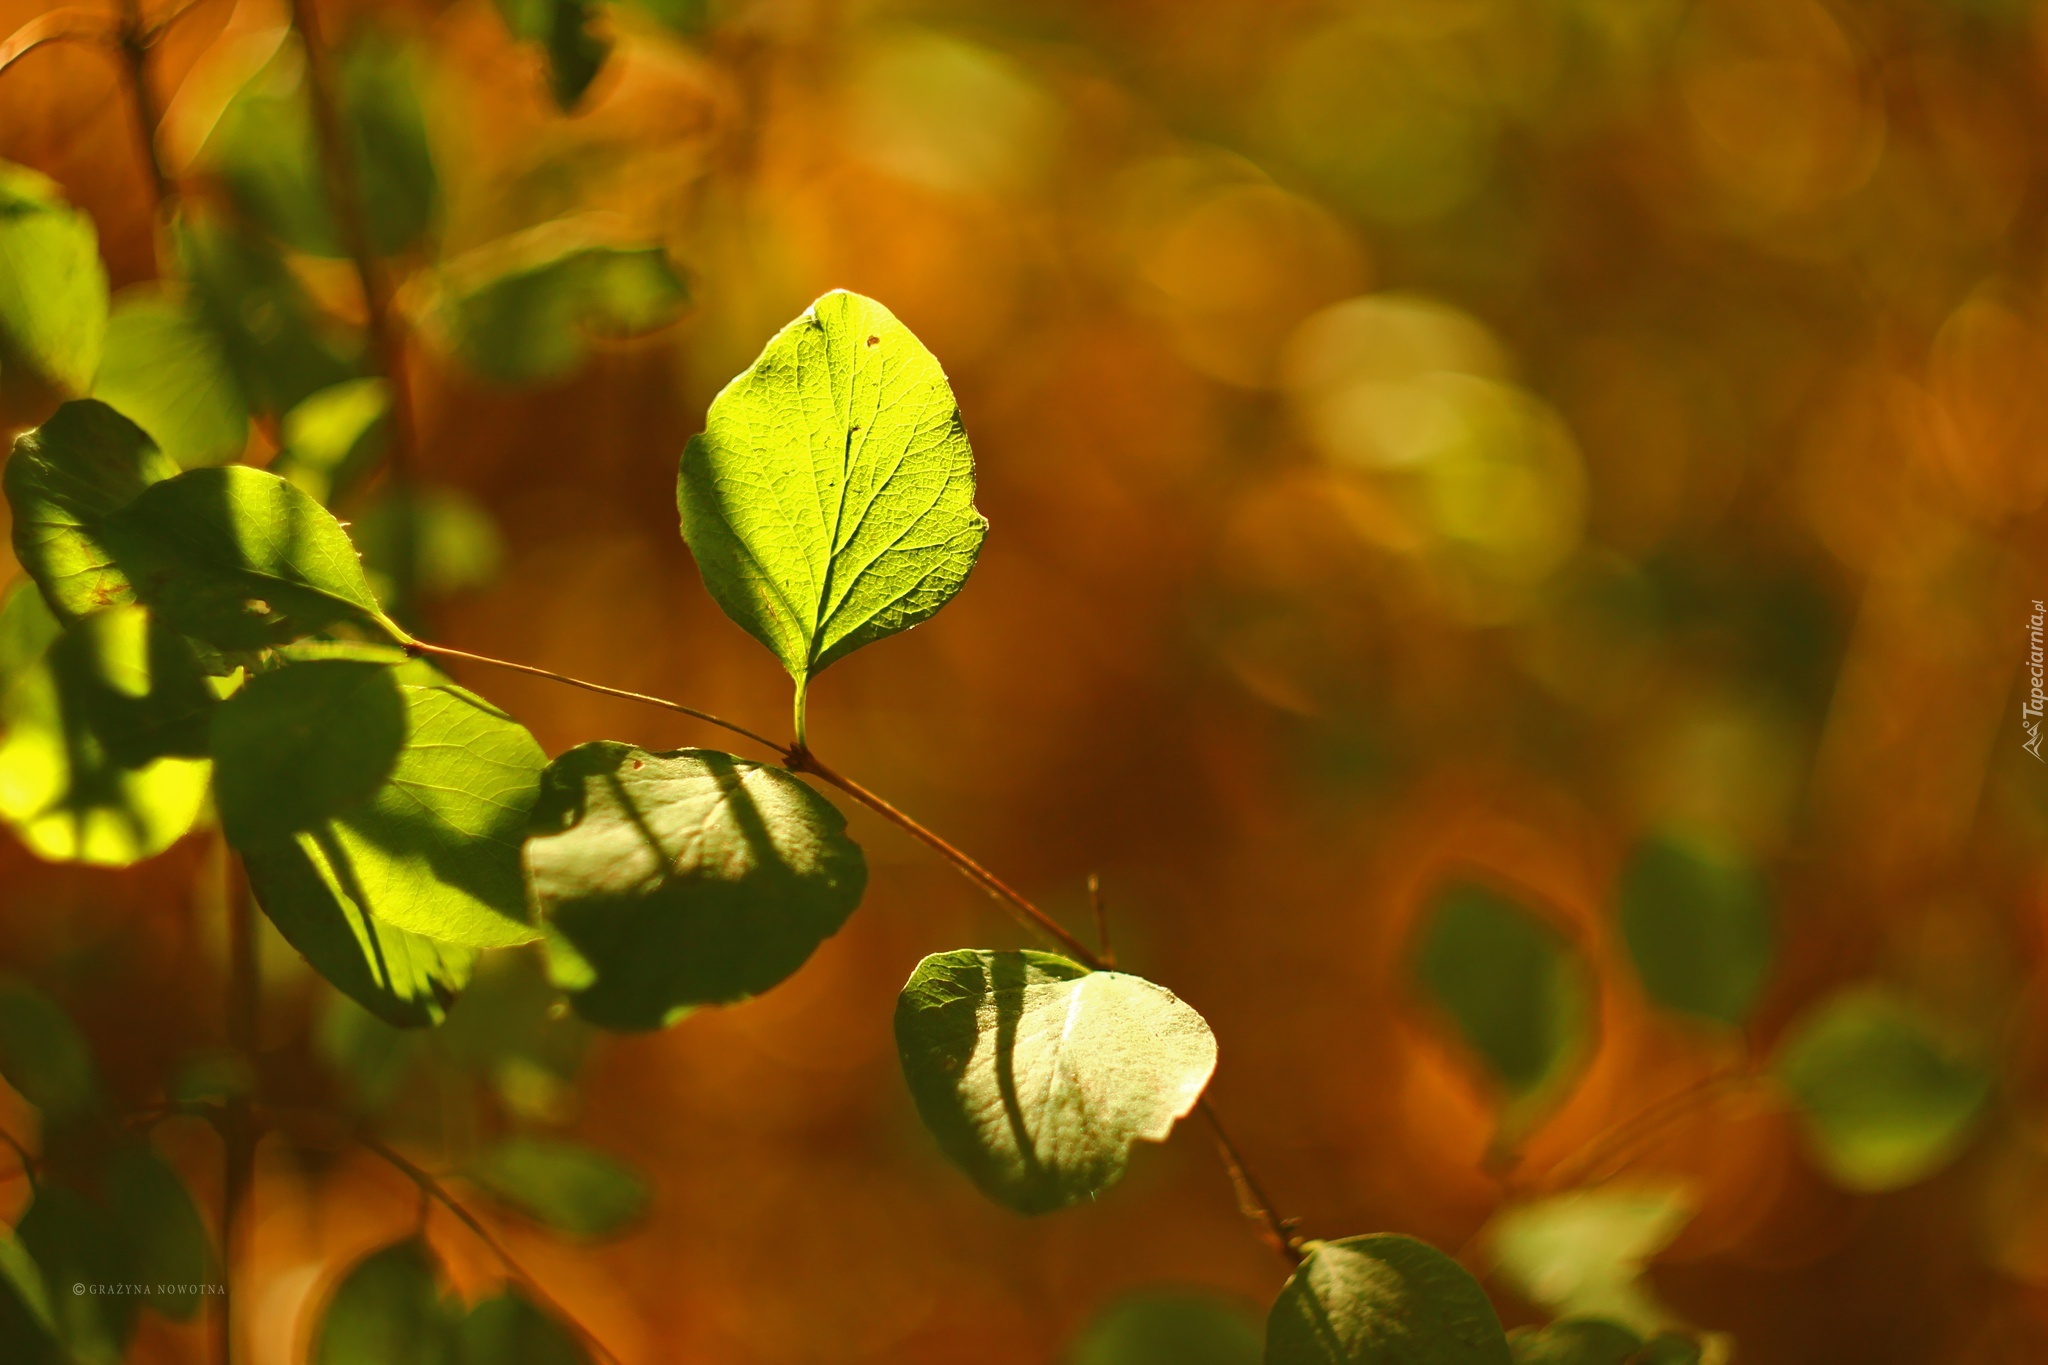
(1418,435)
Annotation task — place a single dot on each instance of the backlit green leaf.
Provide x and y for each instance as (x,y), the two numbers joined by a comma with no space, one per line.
(241,559)
(75,1243)
(686,878)
(27,1325)
(453,543)
(429,846)
(387,1311)
(1170,1327)
(566,1185)
(1512,987)
(171,1251)
(65,480)
(522,310)
(1036,1075)
(1698,924)
(304,743)
(1584,1253)
(65,791)
(830,499)
(1887,1101)
(166,370)
(1575,1341)
(1383,1300)
(335,437)
(53,289)
(512,1330)
(43,1055)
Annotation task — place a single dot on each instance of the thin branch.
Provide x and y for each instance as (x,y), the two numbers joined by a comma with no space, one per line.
(1574,1169)
(60,26)
(1273,1229)
(431,1188)
(444,652)
(1033,918)
(345,201)
(1277,1232)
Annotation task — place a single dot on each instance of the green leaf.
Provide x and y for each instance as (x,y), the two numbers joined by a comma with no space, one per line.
(562,27)
(688,18)
(452,541)
(522,310)
(509,1027)
(281,347)
(44,1057)
(1383,1300)
(170,1249)
(1671,1348)
(335,437)
(391,889)
(512,1330)
(1511,986)
(566,1185)
(166,370)
(301,744)
(75,1243)
(830,499)
(686,878)
(374,1057)
(69,797)
(1170,1327)
(53,289)
(1036,1075)
(65,481)
(1886,1100)
(1575,1341)
(264,150)
(135,685)
(1584,1253)
(1698,924)
(241,559)
(387,1311)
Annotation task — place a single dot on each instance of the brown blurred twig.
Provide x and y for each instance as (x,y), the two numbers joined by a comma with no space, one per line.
(70,25)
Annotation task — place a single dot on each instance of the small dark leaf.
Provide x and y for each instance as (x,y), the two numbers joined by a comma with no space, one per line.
(301,744)
(64,482)
(388,1311)
(566,1185)
(1575,1341)
(686,878)
(1698,924)
(512,1330)
(1036,1075)
(44,1056)
(522,310)
(53,289)
(1511,985)
(562,27)
(1170,1327)
(1383,1300)
(1887,1101)
(241,559)
(76,1244)
(169,1246)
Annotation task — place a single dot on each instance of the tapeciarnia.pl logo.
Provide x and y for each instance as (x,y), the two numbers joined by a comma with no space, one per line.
(2031,708)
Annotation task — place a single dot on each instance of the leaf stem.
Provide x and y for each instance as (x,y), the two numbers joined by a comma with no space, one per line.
(345,201)
(802,760)
(1277,1232)
(444,652)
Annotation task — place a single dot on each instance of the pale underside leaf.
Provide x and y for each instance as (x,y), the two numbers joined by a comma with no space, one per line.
(1036,1075)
